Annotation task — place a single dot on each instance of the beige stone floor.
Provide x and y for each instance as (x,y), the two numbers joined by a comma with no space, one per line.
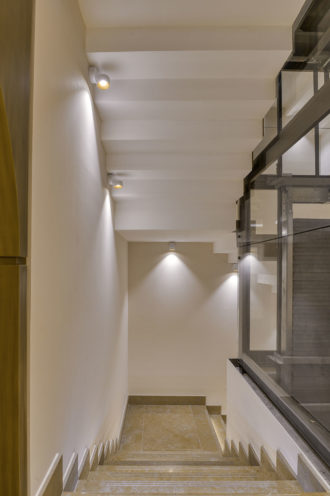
(167,428)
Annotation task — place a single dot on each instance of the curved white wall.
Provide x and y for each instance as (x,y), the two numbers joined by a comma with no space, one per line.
(78,364)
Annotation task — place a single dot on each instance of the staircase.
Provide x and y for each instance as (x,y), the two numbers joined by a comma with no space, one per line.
(194,471)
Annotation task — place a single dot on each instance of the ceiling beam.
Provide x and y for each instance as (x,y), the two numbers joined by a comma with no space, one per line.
(187,90)
(150,130)
(265,38)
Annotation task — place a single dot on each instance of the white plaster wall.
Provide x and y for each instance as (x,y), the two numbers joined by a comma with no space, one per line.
(78,361)
(182,320)
(252,420)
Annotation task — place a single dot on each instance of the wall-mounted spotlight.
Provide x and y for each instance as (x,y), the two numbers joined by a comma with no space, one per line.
(171,246)
(114,182)
(102,81)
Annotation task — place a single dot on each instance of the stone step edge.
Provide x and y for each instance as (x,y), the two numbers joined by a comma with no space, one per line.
(93,493)
(180,469)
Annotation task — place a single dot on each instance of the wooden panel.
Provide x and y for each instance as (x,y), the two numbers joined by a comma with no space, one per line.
(12,376)
(9,225)
(16,19)
(15,49)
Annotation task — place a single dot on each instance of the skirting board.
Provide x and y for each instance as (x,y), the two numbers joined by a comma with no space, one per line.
(71,474)
(167,400)
(94,460)
(123,417)
(83,470)
(52,485)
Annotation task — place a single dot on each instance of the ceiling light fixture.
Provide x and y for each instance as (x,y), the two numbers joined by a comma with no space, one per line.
(102,81)
(114,182)
(234,267)
(171,246)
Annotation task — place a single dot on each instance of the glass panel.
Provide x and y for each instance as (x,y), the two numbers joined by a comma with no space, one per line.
(289,333)
(270,123)
(297,89)
(284,246)
(269,128)
(263,211)
(270,170)
(324,128)
(263,297)
(300,159)
(321,78)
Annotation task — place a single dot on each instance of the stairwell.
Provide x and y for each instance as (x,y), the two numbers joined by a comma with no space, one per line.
(180,449)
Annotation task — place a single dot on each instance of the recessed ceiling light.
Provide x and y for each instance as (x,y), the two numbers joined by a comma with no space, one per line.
(114,182)
(118,185)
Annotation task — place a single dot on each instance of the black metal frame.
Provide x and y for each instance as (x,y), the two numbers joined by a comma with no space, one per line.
(308,118)
(315,110)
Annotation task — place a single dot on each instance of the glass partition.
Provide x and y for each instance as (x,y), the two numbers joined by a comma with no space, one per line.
(284,248)
(300,159)
(283,236)
(324,143)
(297,90)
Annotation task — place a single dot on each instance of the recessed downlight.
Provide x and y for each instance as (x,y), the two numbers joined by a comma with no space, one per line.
(114,181)
(171,246)
(118,185)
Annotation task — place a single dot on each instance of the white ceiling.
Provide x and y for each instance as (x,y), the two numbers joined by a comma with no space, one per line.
(190,83)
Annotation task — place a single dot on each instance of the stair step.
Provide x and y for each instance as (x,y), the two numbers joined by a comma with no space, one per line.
(179,469)
(180,478)
(191,487)
(172,458)
(93,493)
(182,473)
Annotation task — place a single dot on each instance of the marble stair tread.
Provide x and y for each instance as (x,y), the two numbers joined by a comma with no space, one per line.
(93,493)
(191,487)
(230,461)
(172,457)
(187,452)
(261,476)
(181,469)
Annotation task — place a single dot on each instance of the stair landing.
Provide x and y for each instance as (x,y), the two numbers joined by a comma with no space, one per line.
(167,428)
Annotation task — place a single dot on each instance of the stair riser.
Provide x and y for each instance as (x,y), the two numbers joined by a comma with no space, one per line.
(120,470)
(229,487)
(96,493)
(192,478)
(215,463)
